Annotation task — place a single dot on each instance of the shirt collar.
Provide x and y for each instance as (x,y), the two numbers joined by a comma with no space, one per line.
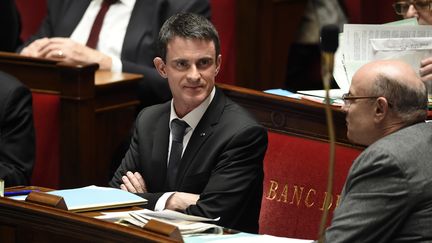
(193,117)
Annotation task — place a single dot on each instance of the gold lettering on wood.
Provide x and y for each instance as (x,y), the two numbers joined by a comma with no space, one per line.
(327,202)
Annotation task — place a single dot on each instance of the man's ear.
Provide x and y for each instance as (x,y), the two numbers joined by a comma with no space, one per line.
(160,66)
(381,109)
(218,63)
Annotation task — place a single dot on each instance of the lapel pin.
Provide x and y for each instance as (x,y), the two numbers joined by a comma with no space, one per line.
(202,134)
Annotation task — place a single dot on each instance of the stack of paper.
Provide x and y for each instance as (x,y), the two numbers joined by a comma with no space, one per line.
(359,44)
(187,224)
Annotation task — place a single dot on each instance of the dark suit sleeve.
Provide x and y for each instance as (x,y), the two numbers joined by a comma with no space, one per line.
(17,141)
(235,180)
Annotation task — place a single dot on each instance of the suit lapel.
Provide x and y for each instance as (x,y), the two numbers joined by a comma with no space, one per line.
(141,18)
(202,133)
(160,149)
(73,11)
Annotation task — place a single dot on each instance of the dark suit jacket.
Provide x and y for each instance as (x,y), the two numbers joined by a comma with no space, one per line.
(10,25)
(139,47)
(17,141)
(222,162)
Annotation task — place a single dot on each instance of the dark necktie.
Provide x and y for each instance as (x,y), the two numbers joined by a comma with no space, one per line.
(97,24)
(178,128)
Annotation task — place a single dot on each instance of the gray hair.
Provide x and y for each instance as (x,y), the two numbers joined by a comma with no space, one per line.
(187,25)
(409,102)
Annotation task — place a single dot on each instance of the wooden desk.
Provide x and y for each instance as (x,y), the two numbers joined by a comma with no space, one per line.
(288,115)
(22,222)
(96,113)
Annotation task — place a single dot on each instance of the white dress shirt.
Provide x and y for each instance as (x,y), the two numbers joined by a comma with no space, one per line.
(192,119)
(113,29)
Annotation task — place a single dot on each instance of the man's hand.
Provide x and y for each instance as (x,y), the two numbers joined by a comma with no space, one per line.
(426,69)
(133,182)
(179,201)
(67,50)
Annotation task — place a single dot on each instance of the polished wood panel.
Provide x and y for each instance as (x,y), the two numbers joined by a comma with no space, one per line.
(265,30)
(23,222)
(299,117)
(96,112)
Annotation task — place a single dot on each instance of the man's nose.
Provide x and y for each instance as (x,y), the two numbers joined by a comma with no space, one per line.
(193,74)
(412,12)
(345,108)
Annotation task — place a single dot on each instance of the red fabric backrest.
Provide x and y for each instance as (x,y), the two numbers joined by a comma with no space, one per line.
(295,182)
(223,17)
(46,116)
(32,13)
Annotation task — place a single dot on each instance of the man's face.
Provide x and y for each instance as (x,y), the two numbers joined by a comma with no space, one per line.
(191,67)
(360,115)
(420,9)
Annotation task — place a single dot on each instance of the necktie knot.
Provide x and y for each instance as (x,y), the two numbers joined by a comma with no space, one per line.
(178,128)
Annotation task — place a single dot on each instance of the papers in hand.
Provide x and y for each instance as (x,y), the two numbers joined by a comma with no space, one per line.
(187,224)
(359,44)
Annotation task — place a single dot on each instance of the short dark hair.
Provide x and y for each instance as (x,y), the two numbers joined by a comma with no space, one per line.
(187,25)
(409,102)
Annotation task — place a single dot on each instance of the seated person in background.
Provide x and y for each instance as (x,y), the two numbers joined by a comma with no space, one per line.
(17,139)
(126,43)
(216,169)
(422,10)
(387,195)
(304,58)
(9,25)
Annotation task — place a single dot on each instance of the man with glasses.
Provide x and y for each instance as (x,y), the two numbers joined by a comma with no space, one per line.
(387,196)
(422,10)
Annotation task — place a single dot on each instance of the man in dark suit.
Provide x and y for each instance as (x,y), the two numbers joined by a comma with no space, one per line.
(220,172)
(387,196)
(127,37)
(10,26)
(17,140)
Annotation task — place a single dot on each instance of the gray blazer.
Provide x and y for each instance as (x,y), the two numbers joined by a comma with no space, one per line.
(388,193)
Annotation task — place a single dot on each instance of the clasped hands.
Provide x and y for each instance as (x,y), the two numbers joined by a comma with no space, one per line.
(178,201)
(67,50)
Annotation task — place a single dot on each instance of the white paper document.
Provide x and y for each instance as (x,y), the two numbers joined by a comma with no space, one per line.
(360,44)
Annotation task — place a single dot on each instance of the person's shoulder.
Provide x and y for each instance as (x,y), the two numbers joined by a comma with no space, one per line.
(154,111)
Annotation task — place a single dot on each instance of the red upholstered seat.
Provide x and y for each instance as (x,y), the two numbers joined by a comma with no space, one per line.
(46,116)
(295,181)
(223,17)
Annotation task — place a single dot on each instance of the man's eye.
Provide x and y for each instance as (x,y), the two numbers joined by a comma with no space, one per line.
(181,65)
(204,63)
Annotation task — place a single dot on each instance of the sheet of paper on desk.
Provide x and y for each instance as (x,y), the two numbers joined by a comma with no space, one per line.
(242,237)
(170,214)
(95,198)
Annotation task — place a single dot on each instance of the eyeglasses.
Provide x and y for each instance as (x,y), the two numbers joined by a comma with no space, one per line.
(402,7)
(348,99)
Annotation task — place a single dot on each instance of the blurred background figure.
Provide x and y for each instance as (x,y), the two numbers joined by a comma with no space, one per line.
(420,9)
(10,26)
(303,70)
(17,139)
(119,35)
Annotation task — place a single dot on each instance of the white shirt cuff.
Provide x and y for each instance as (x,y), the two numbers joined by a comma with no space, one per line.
(161,202)
(116,65)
